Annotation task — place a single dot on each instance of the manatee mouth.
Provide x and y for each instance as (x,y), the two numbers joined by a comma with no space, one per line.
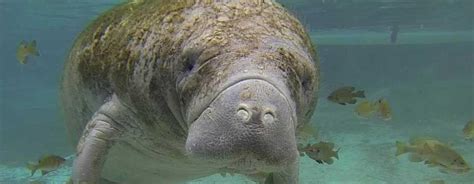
(249,124)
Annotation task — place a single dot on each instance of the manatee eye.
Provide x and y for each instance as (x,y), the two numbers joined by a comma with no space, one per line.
(189,66)
(190,57)
(305,84)
(190,63)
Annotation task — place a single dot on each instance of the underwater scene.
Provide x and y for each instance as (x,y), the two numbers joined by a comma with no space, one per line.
(386,98)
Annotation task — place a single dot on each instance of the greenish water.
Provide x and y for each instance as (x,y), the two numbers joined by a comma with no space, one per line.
(427,76)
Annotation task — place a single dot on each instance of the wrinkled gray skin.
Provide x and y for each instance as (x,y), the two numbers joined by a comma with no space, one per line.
(170,91)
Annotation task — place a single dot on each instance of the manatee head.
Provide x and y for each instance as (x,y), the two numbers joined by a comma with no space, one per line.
(245,85)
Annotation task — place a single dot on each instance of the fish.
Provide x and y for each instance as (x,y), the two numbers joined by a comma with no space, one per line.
(345,95)
(26,49)
(365,109)
(468,130)
(321,152)
(46,164)
(434,154)
(394,33)
(384,110)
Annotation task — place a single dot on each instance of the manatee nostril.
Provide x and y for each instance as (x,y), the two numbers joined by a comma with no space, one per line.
(243,113)
(268,117)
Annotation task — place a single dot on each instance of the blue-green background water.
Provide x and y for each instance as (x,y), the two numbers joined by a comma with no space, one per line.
(427,76)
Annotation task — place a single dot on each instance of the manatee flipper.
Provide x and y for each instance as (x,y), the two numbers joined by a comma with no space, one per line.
(99,136)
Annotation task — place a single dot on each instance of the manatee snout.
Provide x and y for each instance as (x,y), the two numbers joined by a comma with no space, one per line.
(250,119)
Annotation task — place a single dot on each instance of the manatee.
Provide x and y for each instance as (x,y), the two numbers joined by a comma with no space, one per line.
(165,91)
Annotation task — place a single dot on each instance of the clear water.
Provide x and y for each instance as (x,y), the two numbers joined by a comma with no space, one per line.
(427,76)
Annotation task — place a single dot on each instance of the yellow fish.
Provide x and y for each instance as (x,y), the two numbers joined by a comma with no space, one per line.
(321,152)
(365,109)
(468,130)
(384,110)
(46,164)
(434,153)
(345,95)
(26,49)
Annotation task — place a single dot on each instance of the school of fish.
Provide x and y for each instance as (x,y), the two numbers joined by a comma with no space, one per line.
(431,151)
